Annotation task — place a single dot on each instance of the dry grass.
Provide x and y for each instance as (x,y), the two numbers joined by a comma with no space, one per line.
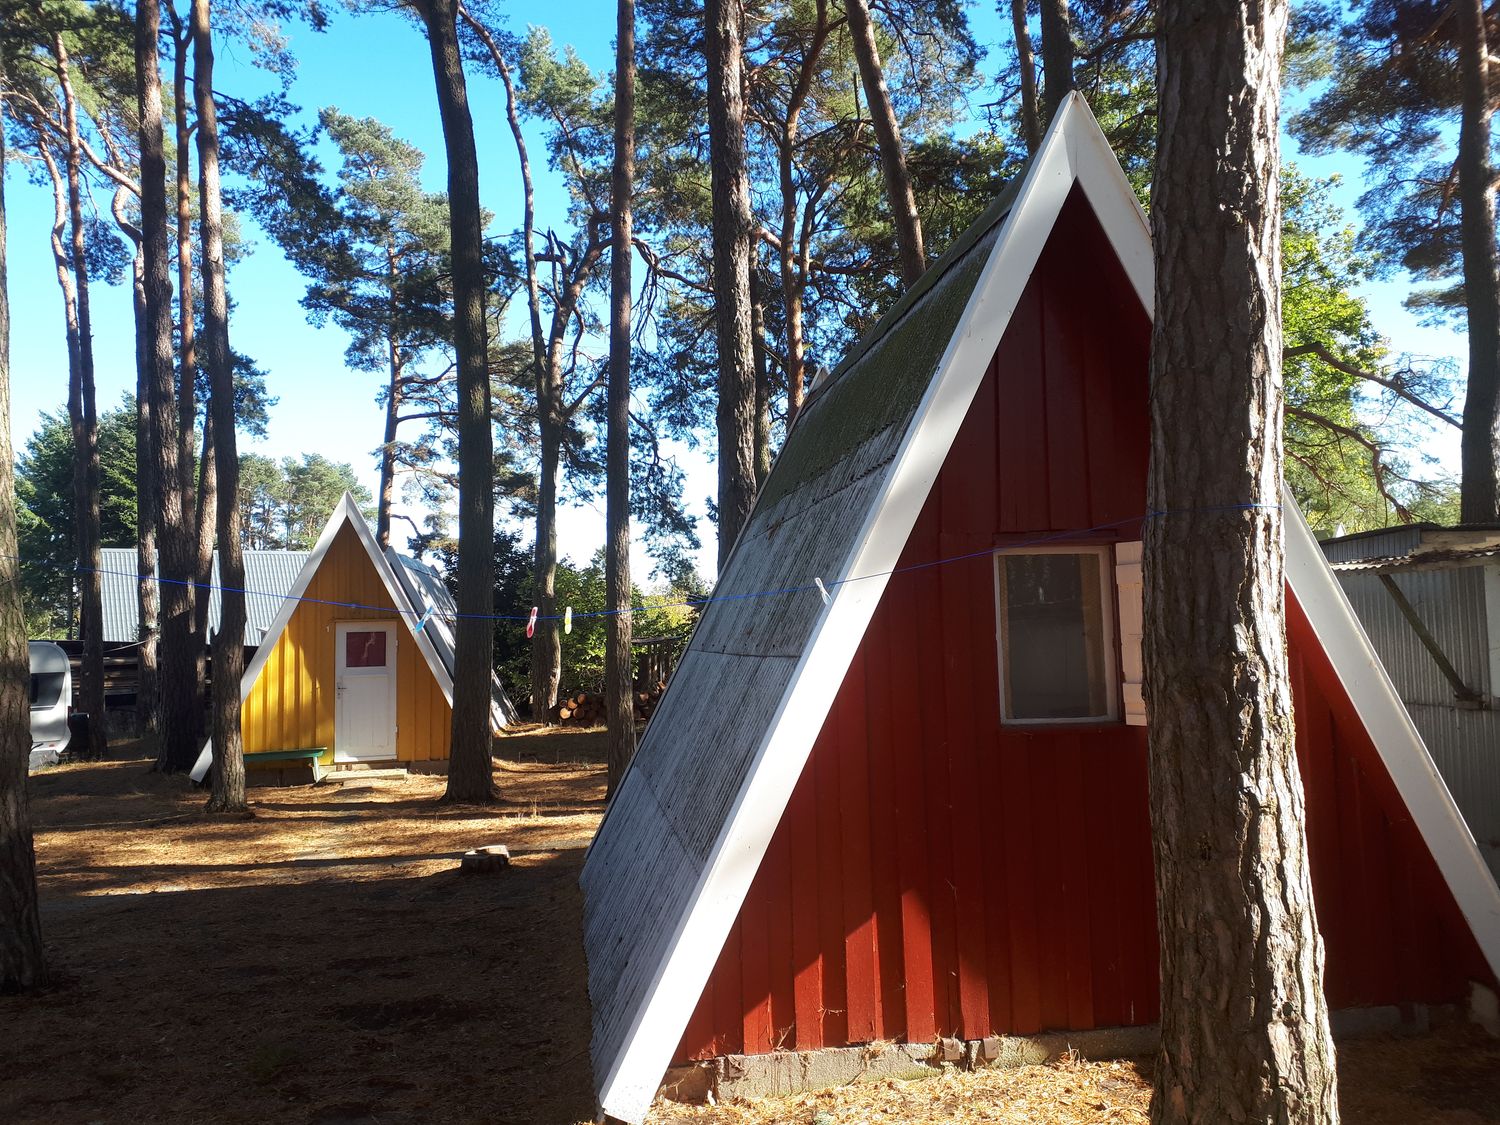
(1449,1078)
(1070,1092)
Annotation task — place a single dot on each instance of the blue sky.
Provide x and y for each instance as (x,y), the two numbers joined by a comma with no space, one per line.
(378,65)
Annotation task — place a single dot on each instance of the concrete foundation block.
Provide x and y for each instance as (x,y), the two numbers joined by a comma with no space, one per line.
(1387,1019)
(781,1073)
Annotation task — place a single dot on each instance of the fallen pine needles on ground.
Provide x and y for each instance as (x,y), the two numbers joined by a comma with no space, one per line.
(1449,1077)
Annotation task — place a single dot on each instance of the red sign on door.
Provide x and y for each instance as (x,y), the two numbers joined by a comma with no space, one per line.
(364,649)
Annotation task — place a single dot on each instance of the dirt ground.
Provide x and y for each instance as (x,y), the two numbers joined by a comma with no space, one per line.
(324,961)
(321,961)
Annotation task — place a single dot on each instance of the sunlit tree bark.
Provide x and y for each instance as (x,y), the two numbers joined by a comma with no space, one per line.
(470,771)
(1244,1022)
(229,642)
(733,230)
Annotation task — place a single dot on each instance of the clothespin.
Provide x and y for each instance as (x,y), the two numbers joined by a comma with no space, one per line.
(427,613)
(568,620)
(531,622)
(822,591)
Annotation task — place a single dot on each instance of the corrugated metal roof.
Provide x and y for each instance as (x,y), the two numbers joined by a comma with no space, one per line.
(1390,548)
(268,577)
(1418,561)
(1383,543)
(425,590)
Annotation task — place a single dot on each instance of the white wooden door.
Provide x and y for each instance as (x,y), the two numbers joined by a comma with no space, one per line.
(364,709)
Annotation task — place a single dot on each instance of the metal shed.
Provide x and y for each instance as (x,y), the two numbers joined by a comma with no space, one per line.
(268,577)
(1429,599)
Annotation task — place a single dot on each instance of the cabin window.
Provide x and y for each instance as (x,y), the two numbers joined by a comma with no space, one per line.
(1057,657)
(364,649)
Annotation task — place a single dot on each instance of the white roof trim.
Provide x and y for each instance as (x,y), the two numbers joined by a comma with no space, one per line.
(1390,727)
(1074,150)
(346,512)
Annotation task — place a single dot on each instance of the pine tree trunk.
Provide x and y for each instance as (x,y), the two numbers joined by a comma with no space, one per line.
(546,643)
(1031,121)
(61,263)
(229,641)
(83,410)
(791,260)
(791,281)
(198,496)
(388,449)
(470,776)
(177,684)
(619,695)
(528,194)
(187,327)
(1057,56)
(1244,1024)
(1479,495)
(23,963)
(903,202)
(762,378)
(733,229)
(206,506)
(147,589)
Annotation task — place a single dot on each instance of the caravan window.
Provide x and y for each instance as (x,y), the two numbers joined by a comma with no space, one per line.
(46,689)
(1056,615)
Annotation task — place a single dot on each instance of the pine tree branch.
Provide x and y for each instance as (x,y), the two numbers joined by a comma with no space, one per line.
(1320,352)
(1380,472)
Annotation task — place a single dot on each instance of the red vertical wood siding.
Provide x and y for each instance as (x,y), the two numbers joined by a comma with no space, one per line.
(939,873)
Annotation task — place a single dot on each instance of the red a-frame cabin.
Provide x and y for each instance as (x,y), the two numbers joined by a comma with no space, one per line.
(920,810)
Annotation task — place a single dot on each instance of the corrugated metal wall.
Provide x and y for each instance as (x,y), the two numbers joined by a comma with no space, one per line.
(1465,743)
(1390,542)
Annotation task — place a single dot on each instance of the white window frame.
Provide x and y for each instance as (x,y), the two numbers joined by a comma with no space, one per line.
(1107,610)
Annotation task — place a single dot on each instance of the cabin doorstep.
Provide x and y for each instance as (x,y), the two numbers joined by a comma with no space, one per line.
(356,669)
(918,816)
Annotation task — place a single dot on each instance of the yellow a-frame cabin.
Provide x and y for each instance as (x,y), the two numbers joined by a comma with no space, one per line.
(357,668)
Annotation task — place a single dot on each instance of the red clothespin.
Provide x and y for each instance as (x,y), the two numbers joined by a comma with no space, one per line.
(531,622)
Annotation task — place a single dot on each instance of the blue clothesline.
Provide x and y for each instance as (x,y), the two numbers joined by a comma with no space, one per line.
(823,587)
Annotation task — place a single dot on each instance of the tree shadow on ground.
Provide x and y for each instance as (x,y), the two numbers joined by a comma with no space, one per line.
(449,997)
(302,967)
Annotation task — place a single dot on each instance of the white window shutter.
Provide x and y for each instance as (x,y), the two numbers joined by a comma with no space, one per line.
(1132,625)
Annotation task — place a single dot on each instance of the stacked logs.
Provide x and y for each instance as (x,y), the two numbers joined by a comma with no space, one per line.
(646,700)
(586,709)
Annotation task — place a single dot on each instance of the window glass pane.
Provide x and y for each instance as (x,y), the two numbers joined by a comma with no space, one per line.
(1052,636)
(46,689)
(364,649)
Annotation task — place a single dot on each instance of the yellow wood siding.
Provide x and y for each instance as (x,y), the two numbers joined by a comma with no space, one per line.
(290,705)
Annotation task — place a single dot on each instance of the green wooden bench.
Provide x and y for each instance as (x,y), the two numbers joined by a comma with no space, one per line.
(309,755)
